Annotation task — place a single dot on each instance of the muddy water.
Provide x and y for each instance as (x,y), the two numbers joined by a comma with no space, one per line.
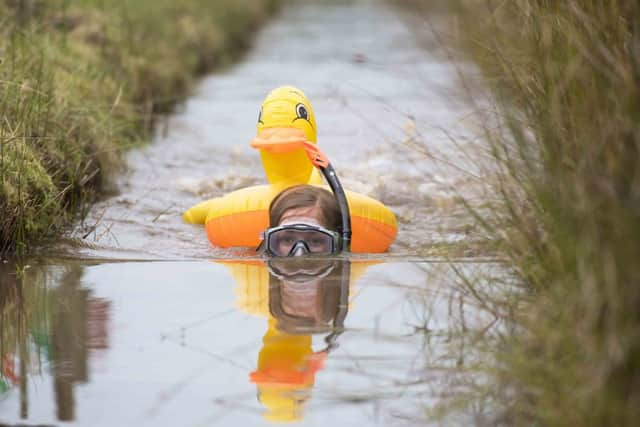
(134,319)
(219,343)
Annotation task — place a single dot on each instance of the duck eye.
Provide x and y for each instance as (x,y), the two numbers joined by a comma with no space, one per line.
(301,111)
(260,116)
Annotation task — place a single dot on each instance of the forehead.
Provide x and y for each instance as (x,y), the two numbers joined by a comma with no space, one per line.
(303,214)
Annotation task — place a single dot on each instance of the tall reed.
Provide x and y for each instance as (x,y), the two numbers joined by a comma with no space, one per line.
(565,164)
(567,77)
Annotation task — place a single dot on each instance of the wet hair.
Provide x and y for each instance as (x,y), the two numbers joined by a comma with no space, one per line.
(306,196)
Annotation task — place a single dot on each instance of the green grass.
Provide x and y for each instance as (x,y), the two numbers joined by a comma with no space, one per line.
(80,81)
(565,167)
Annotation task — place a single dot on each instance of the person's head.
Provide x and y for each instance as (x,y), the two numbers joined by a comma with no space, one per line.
(303,219)
(302,203)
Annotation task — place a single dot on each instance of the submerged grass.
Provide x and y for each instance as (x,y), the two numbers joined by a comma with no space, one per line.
(566,212)
(82,80)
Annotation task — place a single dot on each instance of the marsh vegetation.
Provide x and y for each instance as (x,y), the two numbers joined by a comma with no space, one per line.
(562,203)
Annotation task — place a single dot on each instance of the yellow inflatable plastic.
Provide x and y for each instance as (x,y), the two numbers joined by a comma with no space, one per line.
(286,129)
(285,373)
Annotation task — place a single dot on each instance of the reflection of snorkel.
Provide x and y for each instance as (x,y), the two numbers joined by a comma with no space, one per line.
(287,364)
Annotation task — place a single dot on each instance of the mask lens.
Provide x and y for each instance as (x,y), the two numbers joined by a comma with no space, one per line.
(281,242)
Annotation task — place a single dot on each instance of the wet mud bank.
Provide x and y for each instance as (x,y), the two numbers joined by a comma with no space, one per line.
(83,83)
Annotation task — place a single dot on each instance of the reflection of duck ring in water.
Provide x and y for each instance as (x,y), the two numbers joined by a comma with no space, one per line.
(286,133)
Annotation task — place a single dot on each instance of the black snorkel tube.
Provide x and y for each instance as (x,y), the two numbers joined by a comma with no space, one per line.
(332,178)
(319,160)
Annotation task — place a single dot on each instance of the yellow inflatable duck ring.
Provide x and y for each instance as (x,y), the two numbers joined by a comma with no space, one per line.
(287,143)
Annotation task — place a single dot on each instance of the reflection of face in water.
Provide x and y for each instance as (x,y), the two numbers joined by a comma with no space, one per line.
(306,296)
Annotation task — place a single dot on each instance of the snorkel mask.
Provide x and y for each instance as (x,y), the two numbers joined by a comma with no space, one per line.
(301,239)
(307,239)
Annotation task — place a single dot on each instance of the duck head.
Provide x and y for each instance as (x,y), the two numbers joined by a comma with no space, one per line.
(286,120)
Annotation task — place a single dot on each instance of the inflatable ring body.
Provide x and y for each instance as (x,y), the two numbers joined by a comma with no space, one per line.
(238,219)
